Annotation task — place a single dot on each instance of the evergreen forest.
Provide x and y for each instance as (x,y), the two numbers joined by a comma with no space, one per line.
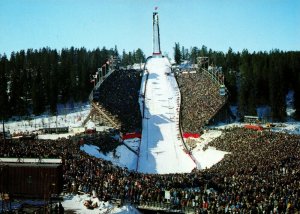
(254,79)
(35,81)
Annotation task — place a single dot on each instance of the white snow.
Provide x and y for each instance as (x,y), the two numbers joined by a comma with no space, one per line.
(290,110)
(76,203)
(287,127)
(161,150)
(90,125)
(133,143)
(206,158)
(123,157)
(54,136)
(73,119)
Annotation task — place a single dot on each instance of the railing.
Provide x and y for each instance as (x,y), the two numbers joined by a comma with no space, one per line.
(214,78)
(143,91)
(98,84)
(218,83)
(128,147)
(101,80)
(178,123)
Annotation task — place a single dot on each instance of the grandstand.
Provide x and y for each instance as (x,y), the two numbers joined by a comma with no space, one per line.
(118,100)
(202,101)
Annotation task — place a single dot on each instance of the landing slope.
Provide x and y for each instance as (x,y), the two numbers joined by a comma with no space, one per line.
(161,149)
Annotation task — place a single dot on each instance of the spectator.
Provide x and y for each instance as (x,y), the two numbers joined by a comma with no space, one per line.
(200,100)
(119,98)
(262,174)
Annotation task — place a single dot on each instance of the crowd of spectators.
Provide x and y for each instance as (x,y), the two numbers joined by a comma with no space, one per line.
(201,100)
(260,175)
(119,95)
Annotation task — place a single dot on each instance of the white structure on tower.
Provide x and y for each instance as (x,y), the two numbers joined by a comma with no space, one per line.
(156,38)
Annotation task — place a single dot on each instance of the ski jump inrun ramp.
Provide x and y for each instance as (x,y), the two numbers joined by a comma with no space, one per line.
(161,150)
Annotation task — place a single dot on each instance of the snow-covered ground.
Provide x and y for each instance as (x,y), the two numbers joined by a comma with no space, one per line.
(206,158)
(292,127)
(76,204)
(123,157)
(71,119)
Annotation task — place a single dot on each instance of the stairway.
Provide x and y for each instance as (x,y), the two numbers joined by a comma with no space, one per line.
(102,114)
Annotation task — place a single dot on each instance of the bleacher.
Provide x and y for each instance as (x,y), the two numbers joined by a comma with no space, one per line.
(201,99)
(118,98)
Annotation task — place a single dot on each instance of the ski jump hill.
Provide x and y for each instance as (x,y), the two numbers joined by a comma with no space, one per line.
(162,149)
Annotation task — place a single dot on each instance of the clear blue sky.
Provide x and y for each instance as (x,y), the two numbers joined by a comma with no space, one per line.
(218,24)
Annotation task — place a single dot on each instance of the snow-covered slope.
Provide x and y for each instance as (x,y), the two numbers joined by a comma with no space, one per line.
(122,157)
(161,150)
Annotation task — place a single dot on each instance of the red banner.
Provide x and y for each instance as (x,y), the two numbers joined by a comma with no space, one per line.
(131,135)
(188,135)
(254,127)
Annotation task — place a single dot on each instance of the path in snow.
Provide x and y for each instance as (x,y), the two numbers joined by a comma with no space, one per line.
(161,151)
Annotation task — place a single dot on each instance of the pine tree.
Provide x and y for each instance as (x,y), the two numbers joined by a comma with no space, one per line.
(16,93)
(297,97)
(38,95)
(116,53)
(230,71)
(53,86)
(246,98)
(194,55)
(4,110)
(177,54)
(139,56)
(277,89)
(203,52)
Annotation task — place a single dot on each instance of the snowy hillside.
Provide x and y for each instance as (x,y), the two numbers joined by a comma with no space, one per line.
(66,118)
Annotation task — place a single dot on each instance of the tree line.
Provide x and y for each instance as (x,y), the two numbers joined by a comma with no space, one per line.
(35,81)
(254,79)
